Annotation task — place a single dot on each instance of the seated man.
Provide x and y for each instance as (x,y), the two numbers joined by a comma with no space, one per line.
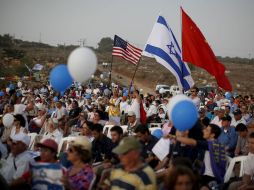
(132,122)
(18,160)
(101,145)
(132,173)
(148,141)
(242,141)
(228,136)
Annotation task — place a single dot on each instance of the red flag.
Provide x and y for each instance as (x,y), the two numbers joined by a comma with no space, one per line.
(142,114)
(197,51)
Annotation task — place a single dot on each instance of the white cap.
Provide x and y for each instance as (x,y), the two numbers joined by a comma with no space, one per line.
(22,137)
(81,141)
(131,113)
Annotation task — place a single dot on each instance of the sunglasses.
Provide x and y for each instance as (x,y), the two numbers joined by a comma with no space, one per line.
(193,91)
(70,150)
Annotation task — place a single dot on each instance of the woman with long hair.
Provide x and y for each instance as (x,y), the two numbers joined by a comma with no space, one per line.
(180,178)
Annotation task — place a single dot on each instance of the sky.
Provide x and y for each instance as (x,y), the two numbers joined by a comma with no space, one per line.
(228,25)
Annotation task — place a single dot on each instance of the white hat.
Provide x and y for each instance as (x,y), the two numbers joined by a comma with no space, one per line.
(22,137)
(131,113)
(81,141)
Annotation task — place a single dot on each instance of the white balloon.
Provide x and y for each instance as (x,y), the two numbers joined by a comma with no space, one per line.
(19,84)
(173,101)
(7,89)
(82,63)
(101,76)
(92,76)
(162,91)
(8,120)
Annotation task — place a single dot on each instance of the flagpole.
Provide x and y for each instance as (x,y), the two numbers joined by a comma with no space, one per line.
(133,76)
(110,71)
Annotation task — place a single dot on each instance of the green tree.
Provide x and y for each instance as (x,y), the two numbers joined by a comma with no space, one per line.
(105,45)
(6,40)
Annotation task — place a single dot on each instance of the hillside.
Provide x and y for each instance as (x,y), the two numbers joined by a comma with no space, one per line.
(240,71)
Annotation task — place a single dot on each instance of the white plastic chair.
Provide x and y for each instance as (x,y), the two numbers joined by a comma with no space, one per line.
(32,139)
(124,127)
(92,183)
(231,166)
(106,130)
(65,139)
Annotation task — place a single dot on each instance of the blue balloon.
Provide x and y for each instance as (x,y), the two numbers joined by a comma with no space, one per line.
(184,115)
(11,86)
(125,94)
(1,93)
(228,95)
(55,99)
(60,78)
(62,93)
(158,133)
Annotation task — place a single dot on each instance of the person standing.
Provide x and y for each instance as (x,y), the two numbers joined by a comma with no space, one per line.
(114,108)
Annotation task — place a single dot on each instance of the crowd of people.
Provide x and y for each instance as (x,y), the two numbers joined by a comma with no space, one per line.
(99,137)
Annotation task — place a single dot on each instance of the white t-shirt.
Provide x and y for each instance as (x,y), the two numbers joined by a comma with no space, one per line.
(208,167)
(123,107)
(196,101)
(135,107)
(217,121)
(151,110)
(235,123)
(55,135)
(10,172)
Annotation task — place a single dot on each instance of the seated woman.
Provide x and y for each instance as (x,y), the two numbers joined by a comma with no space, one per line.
(52,130)
(80,175)
(36,123)
(86,130)
(19,125)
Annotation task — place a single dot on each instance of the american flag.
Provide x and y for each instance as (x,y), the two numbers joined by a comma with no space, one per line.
(125,50)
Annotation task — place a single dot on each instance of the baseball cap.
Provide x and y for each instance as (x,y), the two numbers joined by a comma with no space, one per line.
(131,113)
(48,143)
(21,137)
(237,112)
(81,141)
(127,144)
(216,109)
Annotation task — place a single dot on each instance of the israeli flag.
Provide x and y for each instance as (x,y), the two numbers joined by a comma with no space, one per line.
(162,46)
(47,176)
(38,67)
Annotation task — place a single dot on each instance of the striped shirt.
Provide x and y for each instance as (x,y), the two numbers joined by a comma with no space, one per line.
(142,179)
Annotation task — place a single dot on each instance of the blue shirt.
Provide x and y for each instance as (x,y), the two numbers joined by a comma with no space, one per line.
(228,138)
